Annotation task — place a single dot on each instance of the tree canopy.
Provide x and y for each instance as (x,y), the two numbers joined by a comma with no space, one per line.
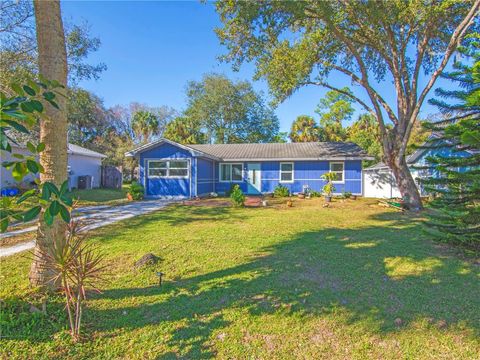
(304,129)
(369,43)
(230,112)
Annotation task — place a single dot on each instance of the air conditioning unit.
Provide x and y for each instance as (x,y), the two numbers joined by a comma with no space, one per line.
(84,182)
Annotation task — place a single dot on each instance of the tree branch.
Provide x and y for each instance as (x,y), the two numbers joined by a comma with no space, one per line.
(455,40)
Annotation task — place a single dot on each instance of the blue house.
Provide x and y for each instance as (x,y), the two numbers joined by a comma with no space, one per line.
(169,169)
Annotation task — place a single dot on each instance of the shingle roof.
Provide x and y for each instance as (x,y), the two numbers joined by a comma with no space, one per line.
(75,149)
(72,149)
(284,151)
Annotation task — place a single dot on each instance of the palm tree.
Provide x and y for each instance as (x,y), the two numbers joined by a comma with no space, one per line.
(145,124)
(52,61)
(304,129)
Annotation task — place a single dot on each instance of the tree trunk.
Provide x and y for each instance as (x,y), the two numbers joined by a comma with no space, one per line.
(52,62)
(406,184)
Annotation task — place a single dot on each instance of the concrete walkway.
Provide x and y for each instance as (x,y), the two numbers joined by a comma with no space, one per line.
(95,217)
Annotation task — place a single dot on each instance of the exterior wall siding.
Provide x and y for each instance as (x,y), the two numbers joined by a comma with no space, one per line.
(205,176)
(305,173)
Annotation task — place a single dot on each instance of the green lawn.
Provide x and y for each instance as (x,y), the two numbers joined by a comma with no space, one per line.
(351,281)
(100,196)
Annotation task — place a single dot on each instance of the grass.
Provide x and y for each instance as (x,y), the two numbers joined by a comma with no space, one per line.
(351,281)
(100,196)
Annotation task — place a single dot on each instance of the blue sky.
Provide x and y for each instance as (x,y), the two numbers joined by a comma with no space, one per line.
(152,49)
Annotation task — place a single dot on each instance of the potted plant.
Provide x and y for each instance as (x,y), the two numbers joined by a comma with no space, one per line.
(301,195)
(329,188)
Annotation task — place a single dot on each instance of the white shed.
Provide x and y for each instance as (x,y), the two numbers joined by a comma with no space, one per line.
(81,162)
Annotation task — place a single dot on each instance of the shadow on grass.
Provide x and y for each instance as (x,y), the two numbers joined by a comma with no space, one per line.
(374,274)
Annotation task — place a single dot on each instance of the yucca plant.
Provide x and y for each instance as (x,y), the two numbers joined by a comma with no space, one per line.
(76,266)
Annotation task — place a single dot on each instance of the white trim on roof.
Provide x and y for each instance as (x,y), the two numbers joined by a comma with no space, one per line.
(194,152)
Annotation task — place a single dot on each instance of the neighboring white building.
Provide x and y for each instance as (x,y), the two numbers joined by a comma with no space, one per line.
(81,162)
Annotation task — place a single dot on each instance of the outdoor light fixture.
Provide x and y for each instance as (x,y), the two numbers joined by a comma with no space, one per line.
(160,274)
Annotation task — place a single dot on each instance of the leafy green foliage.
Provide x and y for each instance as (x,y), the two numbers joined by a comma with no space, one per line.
(145,125)
(281,191)
(185,130)
(304,129)
(230,112)
(136,190)
(20,113)
(237,196)
(335,109)
(455,215)
(329,188)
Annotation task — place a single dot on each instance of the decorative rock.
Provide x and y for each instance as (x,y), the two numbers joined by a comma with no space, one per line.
(147,259)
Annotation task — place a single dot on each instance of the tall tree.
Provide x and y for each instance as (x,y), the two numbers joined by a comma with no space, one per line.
(456,183)
(52,62)
(145,125)
(364,133)
(185,130)
(368,42)
(304,129)
(230,112)
(18,46)
(87,117)
(334,109)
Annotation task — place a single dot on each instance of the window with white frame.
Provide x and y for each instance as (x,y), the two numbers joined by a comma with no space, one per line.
(168,168)
(231,172)
(338,168)
(286,172)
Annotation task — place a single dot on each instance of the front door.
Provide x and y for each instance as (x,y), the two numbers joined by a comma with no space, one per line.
(254,178)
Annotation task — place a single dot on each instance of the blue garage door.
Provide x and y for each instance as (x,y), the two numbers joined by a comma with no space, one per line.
(168,178)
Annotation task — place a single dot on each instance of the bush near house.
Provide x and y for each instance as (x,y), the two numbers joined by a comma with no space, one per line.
(136,190)
(237,196)
(281,191)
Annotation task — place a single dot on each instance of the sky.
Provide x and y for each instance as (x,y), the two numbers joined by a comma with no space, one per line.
(152,49)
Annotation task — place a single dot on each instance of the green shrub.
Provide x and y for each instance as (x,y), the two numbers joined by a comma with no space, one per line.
(136,190)
(230,191)
(237,196)
(281,191)
(329,188)
(347,194)
(314,193)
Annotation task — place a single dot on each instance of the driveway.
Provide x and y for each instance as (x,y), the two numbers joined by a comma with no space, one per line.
(94,216)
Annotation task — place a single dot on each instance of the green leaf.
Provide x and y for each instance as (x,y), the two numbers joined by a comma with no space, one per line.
(3,224)
(40,147)
(17,126)
(31,213)
(29,90)
(54,104)
(19,171)
(26,195)
(46,193)
(32,166)
(65,214)
(27,107)
(37,105)
(18,89)
(33,85)
(64,188)
(54,207)
(67,200)
(48,95)
(51,186)
(31,147)
(48,217)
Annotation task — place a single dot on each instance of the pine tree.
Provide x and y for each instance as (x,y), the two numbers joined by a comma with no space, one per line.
(455,169)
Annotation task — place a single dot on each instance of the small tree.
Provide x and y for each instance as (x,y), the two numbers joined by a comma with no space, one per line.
(456,184)
(329,188)
(237,196)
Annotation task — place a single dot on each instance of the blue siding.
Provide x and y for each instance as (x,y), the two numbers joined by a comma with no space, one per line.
(205,176)
(305,173)
(166,187)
